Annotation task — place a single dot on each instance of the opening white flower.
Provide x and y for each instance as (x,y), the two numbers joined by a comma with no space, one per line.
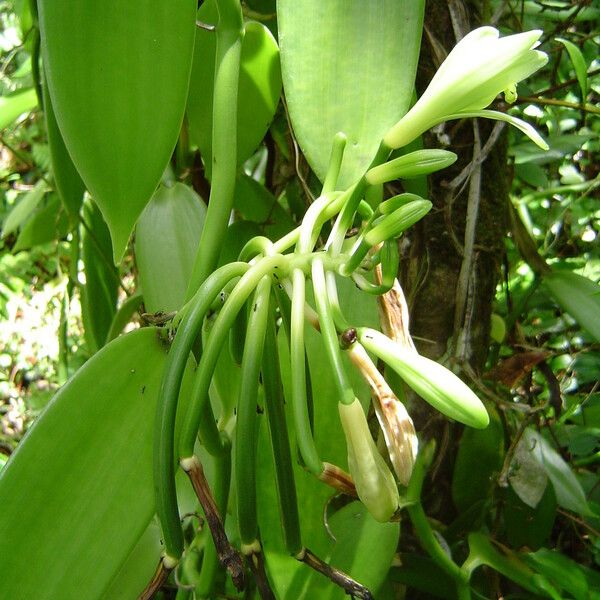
(479,67)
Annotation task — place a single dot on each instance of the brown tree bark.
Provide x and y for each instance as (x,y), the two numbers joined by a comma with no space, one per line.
(453,263)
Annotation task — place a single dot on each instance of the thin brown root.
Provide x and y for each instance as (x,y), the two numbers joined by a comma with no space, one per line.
(349,585)
(158,579)
(256,560)
(229,557)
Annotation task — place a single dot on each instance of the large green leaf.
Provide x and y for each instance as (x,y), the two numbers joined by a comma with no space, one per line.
(118,74)
(259,86)
(347,65)
(166,240)
(78,492)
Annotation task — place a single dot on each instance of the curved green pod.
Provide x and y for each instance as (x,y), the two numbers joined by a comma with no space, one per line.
(118,75)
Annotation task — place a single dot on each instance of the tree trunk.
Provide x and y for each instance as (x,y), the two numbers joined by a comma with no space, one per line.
(453,262)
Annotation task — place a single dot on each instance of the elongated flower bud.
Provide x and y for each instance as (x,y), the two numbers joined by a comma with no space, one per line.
(414,164)
(374,481)
(394,224)
(390,205)
(432,381)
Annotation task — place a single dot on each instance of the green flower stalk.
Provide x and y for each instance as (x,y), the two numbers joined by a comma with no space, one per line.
(374,481)
(479,67)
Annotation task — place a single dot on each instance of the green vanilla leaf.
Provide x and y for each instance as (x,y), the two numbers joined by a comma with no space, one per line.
(68,183)
(13,106)
(347,66)
(118,75)
(579,296)
(166,240)
(46,225)
(78,492)
(259,86)
(364,549)
(568,490)
(579,65)
(24,208)
(562,571)
(99,293)
(478,462)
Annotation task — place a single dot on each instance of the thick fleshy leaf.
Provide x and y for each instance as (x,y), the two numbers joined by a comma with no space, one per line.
(347,66)
(78,492)
(24,208)
(118,74)
(256,203)
(99,294)
(579,65)
(259,86)
(47,224)
(15,105)
(364,549)
(569,493)
(166,240)
(68,183)
(478,461)
(562,571)
(579,296)
(526,526)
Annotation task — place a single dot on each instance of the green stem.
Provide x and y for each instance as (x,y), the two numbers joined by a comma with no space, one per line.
(164,435)
(246,423)
(340,321)
(346,216)
(220,329)
(229,34)
(335,162)
(330,337)
(280,444)
(421,524)
(304,436)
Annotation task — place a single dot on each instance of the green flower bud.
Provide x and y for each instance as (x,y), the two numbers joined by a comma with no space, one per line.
(432,381)
(394,224)
(414,164)
(395,202)
(374,481)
